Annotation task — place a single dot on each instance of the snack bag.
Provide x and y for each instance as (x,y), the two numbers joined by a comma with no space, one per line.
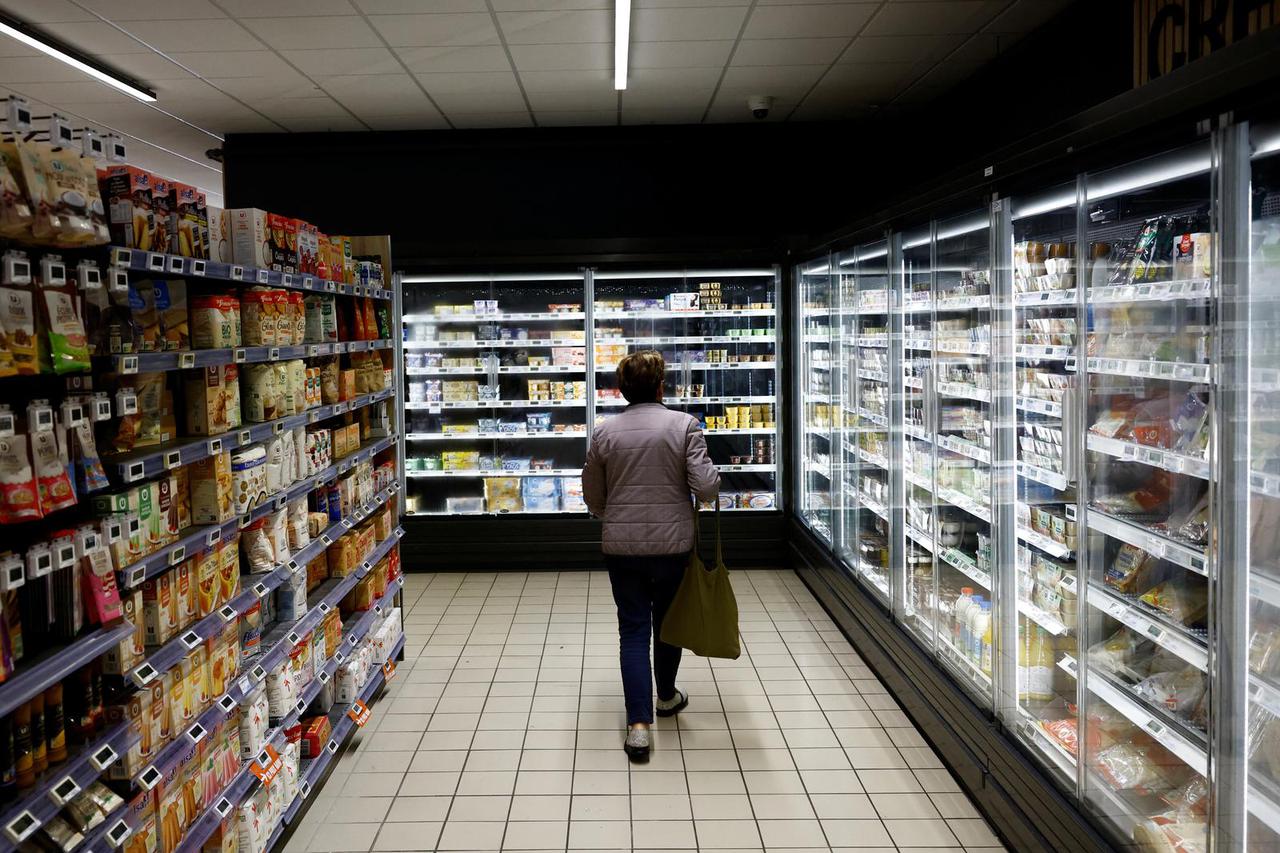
(69,197)
(68,343)
(18,317)
(15,210)
(171,308)
(21,497)
(30,173)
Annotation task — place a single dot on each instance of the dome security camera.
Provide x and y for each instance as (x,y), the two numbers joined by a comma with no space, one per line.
(760,105)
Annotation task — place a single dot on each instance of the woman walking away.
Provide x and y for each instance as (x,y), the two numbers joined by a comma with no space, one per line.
(641,468)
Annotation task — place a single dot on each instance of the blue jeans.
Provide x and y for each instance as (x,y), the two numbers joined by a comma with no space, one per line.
(643,588)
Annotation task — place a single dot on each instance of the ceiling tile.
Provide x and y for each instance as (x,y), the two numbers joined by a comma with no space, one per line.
(562,57)
(550,5)
(321,124)
(817,111)
(144,66)
(252,89)
(670,88)
(730,109)
(603,99)
(687,24)
(286,8)
(473,121)
(641,115)
(816,51)
(235,63)
(933,17)
(228,117)
(379,94)
(312,33)
(575,27)
(454,104)
(897,48)
(94,38)
(46,11)
(281,109)
(59,94)
(568,81)
(944,75)
(406,7)
(866,82)
(16,70)
(173,92)
(1026,15)
(808,20)
(680,54)
(481,58)
(436,30)
(153,10)
(676,4)
(477,83)
(583,118)
(354,60)
(209,34)
(414,121)
(778,80)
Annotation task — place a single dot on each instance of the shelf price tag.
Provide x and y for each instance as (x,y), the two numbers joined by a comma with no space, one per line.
(267,765)
(388,670)
(359,713)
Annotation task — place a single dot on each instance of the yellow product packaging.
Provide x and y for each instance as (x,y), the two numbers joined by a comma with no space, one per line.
(228,568)
(188,589)
(208,396)
(18,317)
(182,496)
(340,557)
(502,494)
(72,191)
(30,174)
(133,711)
(156,718)
(175,689)
(129,651)
(145,837)
(15,209)
(171,310)
(173,817)
(382,525)
(210,484)
(160,609)
(207,582)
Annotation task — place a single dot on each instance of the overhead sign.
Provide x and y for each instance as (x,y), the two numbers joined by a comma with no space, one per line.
(1167,34)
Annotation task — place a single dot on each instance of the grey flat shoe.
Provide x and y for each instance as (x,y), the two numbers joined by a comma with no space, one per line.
(637,745)
(674,705)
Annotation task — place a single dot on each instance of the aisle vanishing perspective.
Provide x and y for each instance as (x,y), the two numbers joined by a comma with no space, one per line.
(502,731)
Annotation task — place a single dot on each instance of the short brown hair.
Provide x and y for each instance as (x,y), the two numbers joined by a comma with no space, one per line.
(640,376)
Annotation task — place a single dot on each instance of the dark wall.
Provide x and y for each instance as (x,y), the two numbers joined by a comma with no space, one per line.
(720,192)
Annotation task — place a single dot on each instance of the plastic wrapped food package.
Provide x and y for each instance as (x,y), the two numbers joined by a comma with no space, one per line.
(255,541)
(1178,692)
(1182,600)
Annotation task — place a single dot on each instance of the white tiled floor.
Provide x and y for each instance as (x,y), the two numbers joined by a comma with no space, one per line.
(502,730)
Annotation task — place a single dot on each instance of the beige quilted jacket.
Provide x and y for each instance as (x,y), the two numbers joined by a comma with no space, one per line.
(641,468)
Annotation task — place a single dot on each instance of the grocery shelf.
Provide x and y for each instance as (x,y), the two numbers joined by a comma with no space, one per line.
(1189,750)
(915,479)
(619,402)
(498,317)
(1040,407)
(492,436)
(677,366)
(1264,586)
(687,339)
(151,461)
(46,669)
(542,343)
(1162,291)
(878,419)
(1044,352)
(881,341)
(1184,642)
(1154,543)
(201,537)
(873,375)
(501,369)
(138,260)
(1035,736)
(955,657)
(873,505)
(1265,484)
(867,456)
(914,382)
(1045,543)
(664,314)
(1173,371)
(487,472)
(455,405)
(111,833)
(1045,297)
(61,782)
(500,512)
(961,561)
(1043,475)
(924,344)
(966,503)
(161,362)
(963,303)
(742,431)
(964,448)
(964,391)
(823,471)
(1156,457)
(918,433)
(924,540)
(1044,619)
(949,345)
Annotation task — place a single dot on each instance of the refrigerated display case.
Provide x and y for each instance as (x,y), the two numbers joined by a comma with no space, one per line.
(1083,403)
(718,333)
(497,400)
(815,331)
(506,373)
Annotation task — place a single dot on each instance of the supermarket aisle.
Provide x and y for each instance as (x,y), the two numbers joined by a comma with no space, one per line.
(502,731)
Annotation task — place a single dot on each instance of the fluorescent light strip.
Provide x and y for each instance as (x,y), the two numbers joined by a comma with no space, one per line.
(97,74)
(468,279)
(742,273)
(621,42)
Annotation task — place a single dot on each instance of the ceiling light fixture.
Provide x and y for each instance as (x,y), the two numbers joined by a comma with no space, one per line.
(621,42)
(43,43)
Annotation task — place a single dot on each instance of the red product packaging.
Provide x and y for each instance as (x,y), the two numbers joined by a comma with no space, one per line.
(162,208)
(127,193)
(101,595)
(21,497)
(315,734)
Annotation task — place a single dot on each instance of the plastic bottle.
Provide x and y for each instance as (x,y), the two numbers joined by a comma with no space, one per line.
(25,773)
(966,626)
(54,726)
(981,622)
(957,613)
(1042,664)
(1024,662)
(984,662)
(39,746)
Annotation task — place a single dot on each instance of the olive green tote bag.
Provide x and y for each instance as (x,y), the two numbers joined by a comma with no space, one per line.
(703,617)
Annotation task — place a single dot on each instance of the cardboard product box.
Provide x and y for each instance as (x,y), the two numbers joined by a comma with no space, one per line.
(382,525)
(131,710)
(202,222)
(346,384)
(160,608)
(282,236)
(182,496)
(162,239)
(210,486)
(142,817)
(208,397)
(317,571)
(128,652)
(184,219)
(207,585)
(348,261)
(127,193)
(157,716)
(166,516)
(308,248)
(250,237)
(228,568)
(220,235)
(341,557)
(176,704)
(188,589)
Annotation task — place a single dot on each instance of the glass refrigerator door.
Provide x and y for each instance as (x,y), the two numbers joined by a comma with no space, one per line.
(815,283)
(1147,489)
(497,394)
(957,424)
(920,513)
(1263,726)
(1046,322)
(862,439)
(717,332)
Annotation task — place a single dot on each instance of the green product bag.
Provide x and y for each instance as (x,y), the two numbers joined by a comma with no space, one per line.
(703,616)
